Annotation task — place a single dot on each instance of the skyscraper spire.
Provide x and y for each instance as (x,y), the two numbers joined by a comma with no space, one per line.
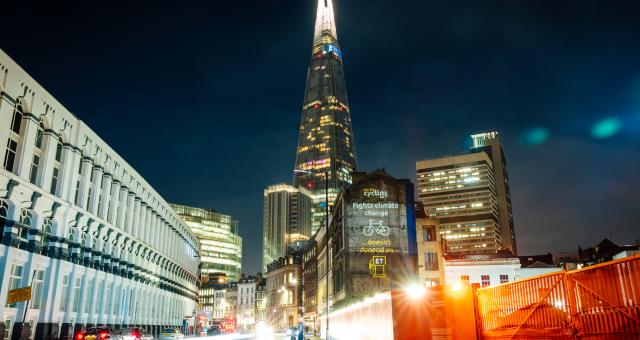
(325,143)
(325,22)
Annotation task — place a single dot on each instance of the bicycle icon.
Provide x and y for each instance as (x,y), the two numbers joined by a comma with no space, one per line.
(376,226)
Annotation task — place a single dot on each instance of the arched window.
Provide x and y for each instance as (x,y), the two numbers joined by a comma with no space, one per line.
(12,141)
(4,212)
(37,154)
(25,221)
(46,233)
(39,135)
(71,236)
(16,121)
(56,168)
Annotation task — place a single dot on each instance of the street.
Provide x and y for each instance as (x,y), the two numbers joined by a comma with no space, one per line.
(238,336)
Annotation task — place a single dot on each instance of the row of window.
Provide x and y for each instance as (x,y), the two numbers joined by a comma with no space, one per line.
(115,296)
(36,161)
(485,280)
(35,177)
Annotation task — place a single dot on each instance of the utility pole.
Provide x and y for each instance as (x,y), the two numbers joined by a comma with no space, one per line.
(326,238)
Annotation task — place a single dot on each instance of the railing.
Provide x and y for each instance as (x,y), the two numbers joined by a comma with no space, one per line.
(598,302)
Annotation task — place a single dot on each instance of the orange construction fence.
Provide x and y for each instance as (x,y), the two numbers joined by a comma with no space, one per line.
(598,302)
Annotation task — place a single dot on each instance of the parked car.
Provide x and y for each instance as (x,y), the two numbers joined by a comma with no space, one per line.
(135,333)
(170,334)
(96,333)
(214,330)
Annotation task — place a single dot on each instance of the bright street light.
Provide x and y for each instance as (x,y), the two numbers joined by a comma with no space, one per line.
(415,291)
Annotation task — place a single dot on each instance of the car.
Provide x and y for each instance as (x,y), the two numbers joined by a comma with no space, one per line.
(170,334)
(135,333)
(214,330)
(95,333)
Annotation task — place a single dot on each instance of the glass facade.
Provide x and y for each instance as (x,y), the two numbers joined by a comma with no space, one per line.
(220,244)
(287,220)
(325,143)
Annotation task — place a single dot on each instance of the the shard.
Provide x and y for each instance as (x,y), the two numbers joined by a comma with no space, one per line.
(325,143)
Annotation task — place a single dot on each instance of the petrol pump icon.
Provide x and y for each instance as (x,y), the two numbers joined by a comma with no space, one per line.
(377,266)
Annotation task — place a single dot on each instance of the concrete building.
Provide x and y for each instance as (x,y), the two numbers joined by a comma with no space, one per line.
(490,269)
(284,291)
(429,241)
(287,220)
(469,195)
(220,244)
(95,241)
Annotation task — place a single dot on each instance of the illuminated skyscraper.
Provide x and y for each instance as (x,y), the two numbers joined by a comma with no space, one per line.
(469,195)
(220,244)
(325,144)
(287,220)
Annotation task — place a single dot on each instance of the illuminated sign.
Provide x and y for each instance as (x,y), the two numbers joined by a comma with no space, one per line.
(373,192)
(376,226)
(377,266)
(375,216)
(329,48)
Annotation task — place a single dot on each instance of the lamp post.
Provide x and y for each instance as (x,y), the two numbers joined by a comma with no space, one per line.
(326,241)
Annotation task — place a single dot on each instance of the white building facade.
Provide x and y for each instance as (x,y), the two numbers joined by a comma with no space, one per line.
(96,242)
(488,269)
(246,311)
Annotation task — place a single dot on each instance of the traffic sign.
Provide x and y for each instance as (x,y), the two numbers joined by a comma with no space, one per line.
(19,294)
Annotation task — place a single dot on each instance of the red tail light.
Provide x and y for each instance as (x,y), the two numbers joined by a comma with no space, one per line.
(135,333)
(79,336)
(104,335)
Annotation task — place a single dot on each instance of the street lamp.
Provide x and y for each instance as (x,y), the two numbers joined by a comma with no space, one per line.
(326,240)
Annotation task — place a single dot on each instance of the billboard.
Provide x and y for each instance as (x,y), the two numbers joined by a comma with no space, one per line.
(376,222)
(376,219)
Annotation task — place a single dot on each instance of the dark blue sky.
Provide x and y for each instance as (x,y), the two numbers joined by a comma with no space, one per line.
(203,98)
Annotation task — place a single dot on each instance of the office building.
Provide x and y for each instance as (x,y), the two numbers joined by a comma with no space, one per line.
(221,246)
(287,220)
(489,142)
(96,242)
(461,192)
(325,142)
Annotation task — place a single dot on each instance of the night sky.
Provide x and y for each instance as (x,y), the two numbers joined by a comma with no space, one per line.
(204,98)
